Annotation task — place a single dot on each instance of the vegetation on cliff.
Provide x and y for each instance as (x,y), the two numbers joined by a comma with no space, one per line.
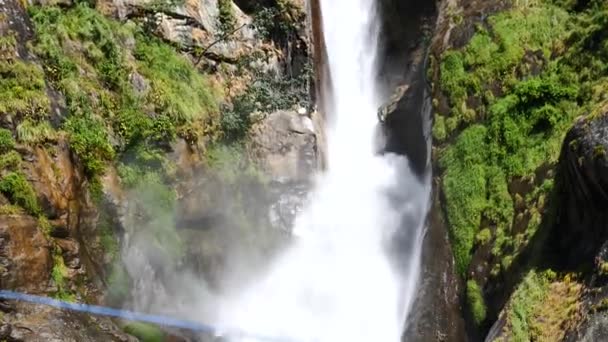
(514,90)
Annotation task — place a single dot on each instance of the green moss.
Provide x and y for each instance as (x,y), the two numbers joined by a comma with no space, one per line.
(44,225)
(439,128)
(476,302)
(7,142)
(58,275)
(518,123)
(9,209)
(491,60)
(464,185)
(145,332)
(15,186)
(484,236)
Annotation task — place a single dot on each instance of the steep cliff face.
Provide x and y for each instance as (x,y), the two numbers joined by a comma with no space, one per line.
(120,116)
(509,79)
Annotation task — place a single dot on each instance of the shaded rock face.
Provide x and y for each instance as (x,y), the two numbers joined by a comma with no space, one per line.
(583,186)
(407,122)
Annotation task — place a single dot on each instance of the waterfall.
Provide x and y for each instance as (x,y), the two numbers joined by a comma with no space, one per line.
(351,272)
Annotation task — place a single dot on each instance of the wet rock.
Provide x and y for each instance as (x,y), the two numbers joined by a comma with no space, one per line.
(436,313)
(25,256)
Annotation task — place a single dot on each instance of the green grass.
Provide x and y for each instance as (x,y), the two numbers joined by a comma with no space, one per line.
(178,90)
(144,332)
(23,90)
(16,187)
(476,302)
(32,133)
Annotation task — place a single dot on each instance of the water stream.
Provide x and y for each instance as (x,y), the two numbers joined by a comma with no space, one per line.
(351,272)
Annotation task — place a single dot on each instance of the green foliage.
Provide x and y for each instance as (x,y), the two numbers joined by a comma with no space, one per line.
(178,90)
(145,332)
(491,61)
(7,142)
(9,209)
(45,225)
(439,128)
(531,291)
(15,186)
(274,23)
(268,93)
(227,20)
(464,185)
(518,120)
(91,59)
(22,89)
(58,275)
(88,138)
(32,133)
(476,302)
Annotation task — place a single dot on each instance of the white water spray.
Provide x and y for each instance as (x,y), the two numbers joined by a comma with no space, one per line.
(337,282)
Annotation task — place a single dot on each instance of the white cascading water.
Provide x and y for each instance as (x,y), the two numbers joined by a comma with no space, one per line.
(337,281)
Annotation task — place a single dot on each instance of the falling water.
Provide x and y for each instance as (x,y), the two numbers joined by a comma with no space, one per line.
(338,282)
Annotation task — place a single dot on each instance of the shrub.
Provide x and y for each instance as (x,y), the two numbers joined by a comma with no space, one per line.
(16,187)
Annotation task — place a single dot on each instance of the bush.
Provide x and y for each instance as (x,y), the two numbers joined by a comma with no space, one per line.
(19,191)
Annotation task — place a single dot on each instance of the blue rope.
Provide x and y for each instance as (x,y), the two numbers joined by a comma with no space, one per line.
(133,316)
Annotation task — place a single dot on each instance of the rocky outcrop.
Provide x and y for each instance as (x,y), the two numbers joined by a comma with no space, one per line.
(583,192)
